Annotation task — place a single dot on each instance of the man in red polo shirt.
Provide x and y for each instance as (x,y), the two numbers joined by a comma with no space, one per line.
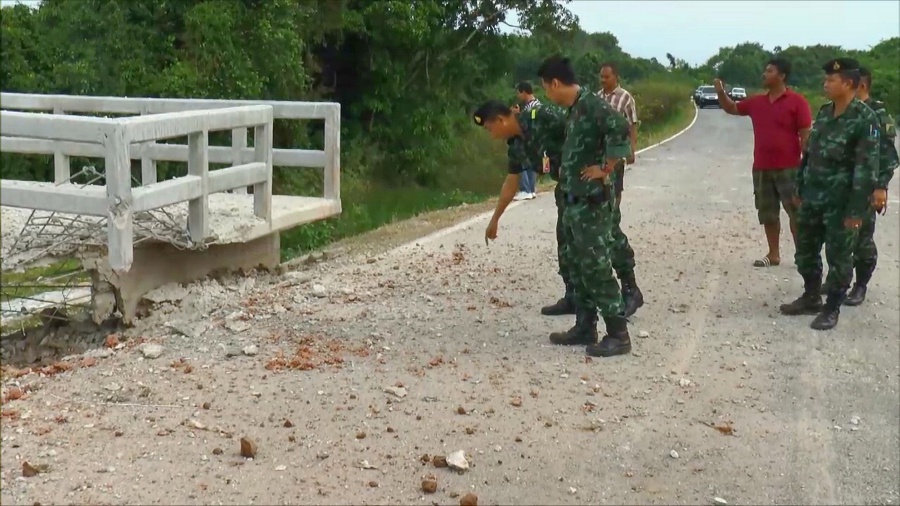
(781,121)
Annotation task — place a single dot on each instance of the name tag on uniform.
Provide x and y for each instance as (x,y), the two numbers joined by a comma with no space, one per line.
(546,164)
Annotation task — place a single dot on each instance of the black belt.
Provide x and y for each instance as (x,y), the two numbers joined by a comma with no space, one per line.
(595,199)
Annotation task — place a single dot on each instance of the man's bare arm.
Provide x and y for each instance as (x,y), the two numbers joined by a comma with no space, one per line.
(804,136)
(507,192)
(725,102)
(633,134)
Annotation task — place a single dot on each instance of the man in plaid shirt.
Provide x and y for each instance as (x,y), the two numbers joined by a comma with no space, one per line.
(623,257)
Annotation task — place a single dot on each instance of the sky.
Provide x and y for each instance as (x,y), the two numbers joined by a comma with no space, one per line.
(695,30)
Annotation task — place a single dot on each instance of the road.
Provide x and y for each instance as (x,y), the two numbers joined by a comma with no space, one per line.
(451,326)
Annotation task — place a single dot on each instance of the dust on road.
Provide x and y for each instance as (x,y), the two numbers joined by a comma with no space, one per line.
(348,378)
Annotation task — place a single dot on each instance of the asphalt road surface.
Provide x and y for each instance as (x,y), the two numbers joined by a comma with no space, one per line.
(722,398)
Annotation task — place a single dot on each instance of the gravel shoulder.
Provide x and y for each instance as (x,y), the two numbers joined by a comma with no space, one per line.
(347,373)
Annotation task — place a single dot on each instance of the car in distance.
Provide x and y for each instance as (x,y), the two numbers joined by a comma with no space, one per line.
(706,95)
(738,94)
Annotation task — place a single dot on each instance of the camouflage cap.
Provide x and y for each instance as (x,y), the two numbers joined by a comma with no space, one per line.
(841,65)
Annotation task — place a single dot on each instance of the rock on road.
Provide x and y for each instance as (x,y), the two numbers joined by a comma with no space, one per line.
(347,375)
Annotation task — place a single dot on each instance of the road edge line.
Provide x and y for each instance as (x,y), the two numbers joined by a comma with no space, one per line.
(471,221)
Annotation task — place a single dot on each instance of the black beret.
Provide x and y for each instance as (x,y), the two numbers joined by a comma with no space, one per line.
(840,65)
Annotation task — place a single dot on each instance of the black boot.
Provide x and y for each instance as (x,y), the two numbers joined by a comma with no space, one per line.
(858,294)
(565,305)
(810,302)
(828,318)
(631,294)
(584,331)
(615,342)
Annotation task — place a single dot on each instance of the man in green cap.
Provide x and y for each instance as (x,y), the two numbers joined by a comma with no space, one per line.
(865,254)
(836,177)
(597,138)
(535,139)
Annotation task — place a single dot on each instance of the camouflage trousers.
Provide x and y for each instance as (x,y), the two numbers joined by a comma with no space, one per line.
(865,253)
(587,254)
(818,224)
(623,255)
(564,270)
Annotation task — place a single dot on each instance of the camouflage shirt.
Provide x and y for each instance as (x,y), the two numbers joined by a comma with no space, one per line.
(840,163)
(594,132)
(543,131)
(887,150)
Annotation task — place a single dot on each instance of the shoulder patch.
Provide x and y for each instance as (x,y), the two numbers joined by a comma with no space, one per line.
(873,132)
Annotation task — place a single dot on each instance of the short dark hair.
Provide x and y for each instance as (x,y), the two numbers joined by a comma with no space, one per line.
(783,66)
(611,65)
(524,87)
(489,111)
(559,68)
(865,76)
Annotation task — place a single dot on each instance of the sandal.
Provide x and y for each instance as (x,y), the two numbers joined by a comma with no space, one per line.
(765,262)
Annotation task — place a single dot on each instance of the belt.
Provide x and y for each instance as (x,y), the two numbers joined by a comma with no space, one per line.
(586,199)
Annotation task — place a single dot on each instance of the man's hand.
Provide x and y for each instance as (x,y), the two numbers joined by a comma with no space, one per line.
(853,223)
(596,172)
(491,232)
(879,201)
(720,86)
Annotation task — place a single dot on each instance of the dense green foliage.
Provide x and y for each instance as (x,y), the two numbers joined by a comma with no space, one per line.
(742,65)
(406,74)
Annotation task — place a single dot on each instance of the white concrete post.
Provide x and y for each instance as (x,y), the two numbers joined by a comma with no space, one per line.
(148,164)
(332,181)
(198,165)
(238,143)
(120,228)
(62,168)
(262,152)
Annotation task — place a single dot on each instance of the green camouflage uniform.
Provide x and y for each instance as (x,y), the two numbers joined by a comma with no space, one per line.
(594,133)
(835,179)
(543,133)
(865,253)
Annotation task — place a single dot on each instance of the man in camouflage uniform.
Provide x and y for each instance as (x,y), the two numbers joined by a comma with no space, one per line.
(865,254)
(535,139)
(836,178)
(596,140)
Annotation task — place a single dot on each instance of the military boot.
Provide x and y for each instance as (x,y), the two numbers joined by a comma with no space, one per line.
(828,318)
(810,302)
(631,294)
(858,294)
(565,305)
(584,331)
(615,342)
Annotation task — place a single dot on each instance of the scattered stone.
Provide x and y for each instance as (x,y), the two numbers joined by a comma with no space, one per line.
(281,468)
(238,326)
(288,424)
(854,420)
(322,455)
(439,461)
(364,464)
(684,382)
(457,460)
(319,290)
(360,435)
(218,451)
(573,490)
(373,484)
(461,410)
(207,405)
(248,448)
(469,499)
(673,454)
(429,484)
(250,350)
(644,334)
(152,351)
(397,391)
(516,402)
(30,471)
(719,500)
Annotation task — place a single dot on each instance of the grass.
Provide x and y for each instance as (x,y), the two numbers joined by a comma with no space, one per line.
(15,285)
